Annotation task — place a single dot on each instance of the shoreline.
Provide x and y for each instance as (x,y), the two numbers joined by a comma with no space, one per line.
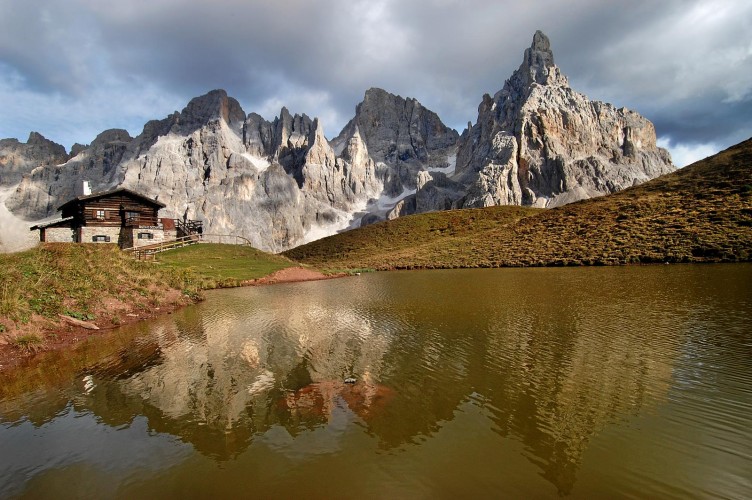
(62,334)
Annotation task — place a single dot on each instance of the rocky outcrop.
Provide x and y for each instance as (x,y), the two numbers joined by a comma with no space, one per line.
(276,183)
(402,135)
(18,158)
(48,186)
(538,142)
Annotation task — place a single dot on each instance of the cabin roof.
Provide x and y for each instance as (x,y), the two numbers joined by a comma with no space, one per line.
(142,198)
(53,223)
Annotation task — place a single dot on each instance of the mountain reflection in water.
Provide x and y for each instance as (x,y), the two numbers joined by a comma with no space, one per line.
(565,363)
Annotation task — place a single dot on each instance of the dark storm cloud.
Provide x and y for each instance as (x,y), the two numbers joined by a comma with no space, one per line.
(686,65)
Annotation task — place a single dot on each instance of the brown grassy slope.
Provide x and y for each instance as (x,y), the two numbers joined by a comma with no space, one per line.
(370,244)
(701,213)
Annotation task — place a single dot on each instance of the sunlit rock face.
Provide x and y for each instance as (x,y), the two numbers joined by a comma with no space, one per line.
(401,135)
(538,142)
(18,158)
(278,183)
(281,183)
(48,186)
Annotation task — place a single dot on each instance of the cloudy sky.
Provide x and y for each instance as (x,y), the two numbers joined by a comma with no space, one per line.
(70,69)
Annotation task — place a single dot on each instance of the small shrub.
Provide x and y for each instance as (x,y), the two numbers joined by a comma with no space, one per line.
(80,315)
(30,342)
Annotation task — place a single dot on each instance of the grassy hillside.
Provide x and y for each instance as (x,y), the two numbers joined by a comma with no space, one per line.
(377,245)
(87,282)
(701,213)
(102,285)
(223,265)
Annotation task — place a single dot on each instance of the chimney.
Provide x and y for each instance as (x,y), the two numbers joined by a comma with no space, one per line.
(85,188)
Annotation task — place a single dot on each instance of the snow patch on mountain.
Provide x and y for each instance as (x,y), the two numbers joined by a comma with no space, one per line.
(260,163)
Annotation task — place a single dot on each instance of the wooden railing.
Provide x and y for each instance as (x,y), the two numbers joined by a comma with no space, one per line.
(148,251)
(142,221)
(225,239)
(189,226)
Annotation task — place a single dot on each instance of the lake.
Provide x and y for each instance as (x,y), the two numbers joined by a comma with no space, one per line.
(582,382)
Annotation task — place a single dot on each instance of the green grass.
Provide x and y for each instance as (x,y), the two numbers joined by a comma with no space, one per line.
(100,283)
(701,213)
(76,280)
(223,265)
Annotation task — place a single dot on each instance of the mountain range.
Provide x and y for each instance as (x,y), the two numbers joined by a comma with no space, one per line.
(282,183)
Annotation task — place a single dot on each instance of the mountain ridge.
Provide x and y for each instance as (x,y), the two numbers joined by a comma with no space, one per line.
(701,213)
(281,183)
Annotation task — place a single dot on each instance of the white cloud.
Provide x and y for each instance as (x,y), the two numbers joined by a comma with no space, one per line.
(71,69)
(67,120)
(686,154)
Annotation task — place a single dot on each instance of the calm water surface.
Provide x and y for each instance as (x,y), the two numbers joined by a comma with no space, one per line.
(593,382)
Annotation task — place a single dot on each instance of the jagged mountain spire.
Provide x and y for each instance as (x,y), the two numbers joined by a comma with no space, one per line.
(538,142)
(540,52)
(538,65)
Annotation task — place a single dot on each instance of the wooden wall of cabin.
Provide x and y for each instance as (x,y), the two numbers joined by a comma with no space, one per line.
(107,211)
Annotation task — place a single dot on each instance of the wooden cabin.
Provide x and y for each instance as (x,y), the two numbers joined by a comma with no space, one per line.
(119,216)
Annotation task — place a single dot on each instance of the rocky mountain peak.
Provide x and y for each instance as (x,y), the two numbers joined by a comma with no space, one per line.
(397,130)
(538,64)
(18,159)
(538,142)
(319,151)
(541,47)
(111,136)
(400,134)
(209,107)
(37,139)
(355,150)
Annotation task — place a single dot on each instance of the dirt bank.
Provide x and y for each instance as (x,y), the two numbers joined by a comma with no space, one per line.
(61,334)
(292,275)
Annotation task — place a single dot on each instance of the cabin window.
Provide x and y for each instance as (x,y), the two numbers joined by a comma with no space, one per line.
(99,214)
(145,236)
(98,238)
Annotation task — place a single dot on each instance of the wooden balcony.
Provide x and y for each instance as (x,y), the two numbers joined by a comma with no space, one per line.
(140,221)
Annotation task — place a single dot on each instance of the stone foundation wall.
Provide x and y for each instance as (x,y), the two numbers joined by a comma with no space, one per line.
(58,235)
(86,234)
(158,236)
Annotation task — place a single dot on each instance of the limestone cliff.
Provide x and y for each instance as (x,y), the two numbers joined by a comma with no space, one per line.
(402,135)
(48,186)
(538,142)
(276,183)
(18,158)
